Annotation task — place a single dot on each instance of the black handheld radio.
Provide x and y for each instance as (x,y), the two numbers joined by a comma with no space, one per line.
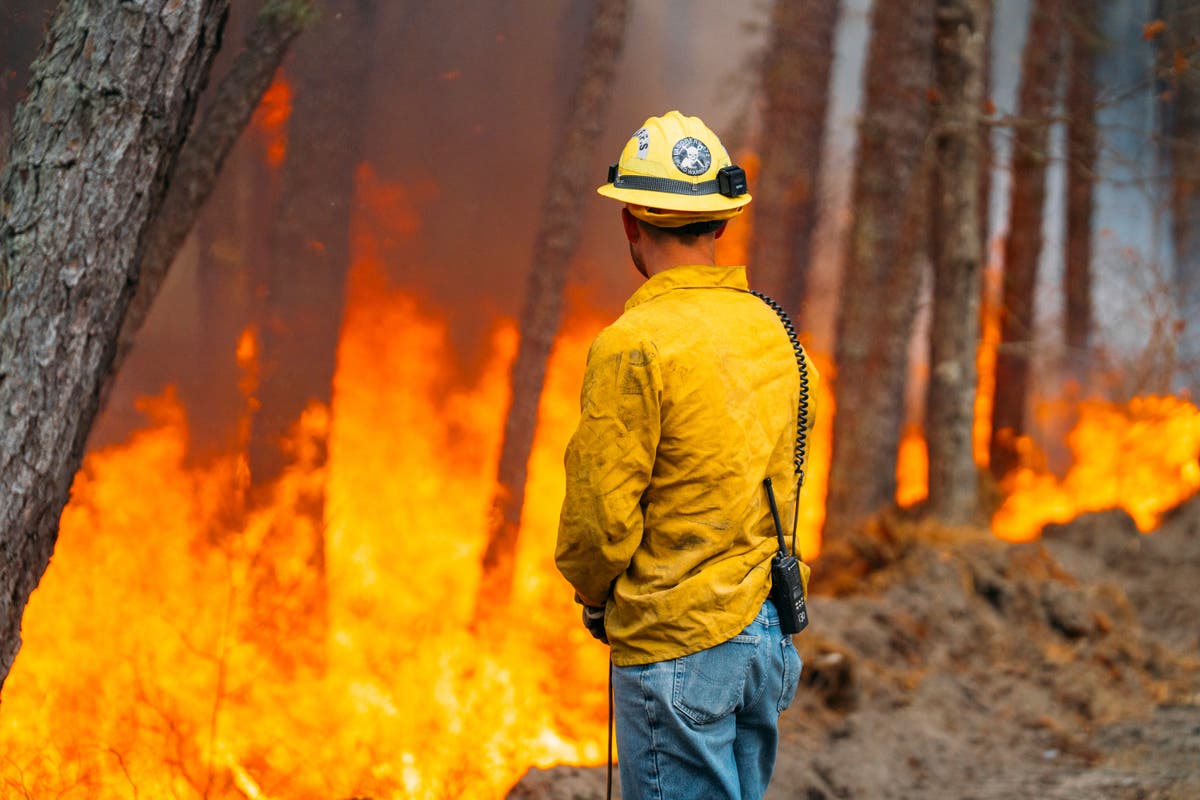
(787,587)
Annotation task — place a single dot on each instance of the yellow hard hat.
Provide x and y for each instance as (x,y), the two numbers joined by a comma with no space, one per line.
(674,171)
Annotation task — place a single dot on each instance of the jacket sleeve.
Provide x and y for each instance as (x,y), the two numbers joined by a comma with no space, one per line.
(609,461)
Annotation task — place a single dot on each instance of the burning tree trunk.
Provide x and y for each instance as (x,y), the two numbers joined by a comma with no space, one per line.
(796,83)
(881,276)
(301,311)
(1039,81)
(1081,169)
(962,32)
(570,181)
(310,244)
(110,101)
(1183,43)
(279,23)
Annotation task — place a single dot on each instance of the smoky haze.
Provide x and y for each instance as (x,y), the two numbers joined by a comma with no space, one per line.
(464,104)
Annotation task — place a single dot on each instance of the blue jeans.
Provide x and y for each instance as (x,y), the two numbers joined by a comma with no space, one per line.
(704,725)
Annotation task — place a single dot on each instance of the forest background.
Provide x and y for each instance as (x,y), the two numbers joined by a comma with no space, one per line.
(408,217)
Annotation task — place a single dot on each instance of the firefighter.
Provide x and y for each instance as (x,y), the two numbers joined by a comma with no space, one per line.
(688,402)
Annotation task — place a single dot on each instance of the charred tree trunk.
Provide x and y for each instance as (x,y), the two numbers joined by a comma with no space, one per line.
(881,277)
(310,243)
(232,237)
(300,320)
(1183,129)
(961,34)
(110,101)
(569,183)
(1081,176)
(279,23)
(1040,70)
(796,83)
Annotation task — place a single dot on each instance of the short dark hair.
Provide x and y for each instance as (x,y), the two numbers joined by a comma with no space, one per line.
(691,230)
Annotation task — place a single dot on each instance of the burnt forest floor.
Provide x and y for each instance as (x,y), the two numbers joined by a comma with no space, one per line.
(948,664)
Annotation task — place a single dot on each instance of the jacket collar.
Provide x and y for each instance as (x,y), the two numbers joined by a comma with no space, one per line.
(690,276)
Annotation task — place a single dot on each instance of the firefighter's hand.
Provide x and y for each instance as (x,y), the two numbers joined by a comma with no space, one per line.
(593,620)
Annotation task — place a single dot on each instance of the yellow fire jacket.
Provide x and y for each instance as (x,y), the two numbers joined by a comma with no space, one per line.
(688,402)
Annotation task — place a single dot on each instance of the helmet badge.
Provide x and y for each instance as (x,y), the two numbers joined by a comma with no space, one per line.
(691,156)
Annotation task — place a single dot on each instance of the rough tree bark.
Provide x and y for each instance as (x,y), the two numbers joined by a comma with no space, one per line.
(796,84)
(570,181)
(1082,25)
(1183,136)
(962,29)
(112,94)
(1040,68)
(21,26)
(279,23)
(310,241)
(881,276)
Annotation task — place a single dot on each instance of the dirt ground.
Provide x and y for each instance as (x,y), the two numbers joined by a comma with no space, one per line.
(950,665)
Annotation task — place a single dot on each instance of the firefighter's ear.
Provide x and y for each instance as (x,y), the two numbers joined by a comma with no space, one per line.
(630,223)
(721,230)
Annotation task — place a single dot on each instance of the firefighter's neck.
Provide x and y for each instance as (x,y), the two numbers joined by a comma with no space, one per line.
(653,253)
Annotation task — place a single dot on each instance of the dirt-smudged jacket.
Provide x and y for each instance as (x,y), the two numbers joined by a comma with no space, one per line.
(688,402)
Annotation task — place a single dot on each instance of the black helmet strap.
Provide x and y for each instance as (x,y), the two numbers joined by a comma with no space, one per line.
(730,182)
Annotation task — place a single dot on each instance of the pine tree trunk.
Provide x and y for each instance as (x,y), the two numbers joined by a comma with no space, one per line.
(1040,69)
(1081,171)
(881,277)
(110,101)
(796,83)
(301,314)
(570,182)
(310,243)
(204,152)
(986,157)
(1183,42)
(961,36)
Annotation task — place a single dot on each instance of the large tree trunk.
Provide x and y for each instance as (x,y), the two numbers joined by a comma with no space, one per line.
(110,101)
(882,276)
(1040,70)
(310,243)
(1081,177)
(796,83)
(570,182)
(1183,130)
(962,32)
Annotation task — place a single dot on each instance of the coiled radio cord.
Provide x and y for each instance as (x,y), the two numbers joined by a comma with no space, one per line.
(800,457)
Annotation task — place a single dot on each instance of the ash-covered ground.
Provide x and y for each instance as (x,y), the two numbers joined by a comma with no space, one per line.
(952,665)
